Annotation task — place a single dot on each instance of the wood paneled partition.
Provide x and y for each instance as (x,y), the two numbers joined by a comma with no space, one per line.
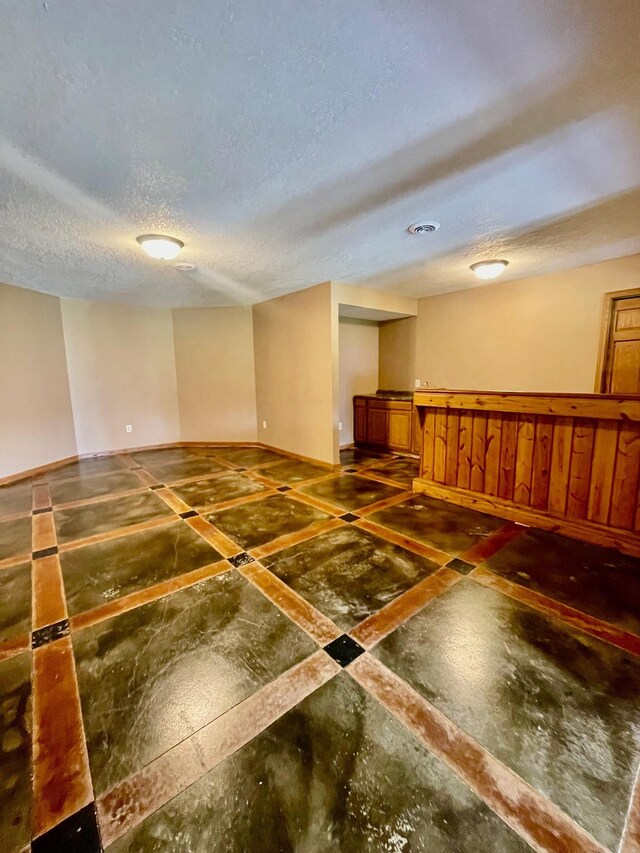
(566,462)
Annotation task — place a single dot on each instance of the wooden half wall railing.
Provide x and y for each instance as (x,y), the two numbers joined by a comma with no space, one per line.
(569,463)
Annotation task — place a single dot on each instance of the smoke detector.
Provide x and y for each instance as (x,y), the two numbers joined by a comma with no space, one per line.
(185,267)
(423,227)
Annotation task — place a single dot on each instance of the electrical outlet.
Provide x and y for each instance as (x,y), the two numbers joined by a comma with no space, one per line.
(417,383)
(264,424)
(339,426)
(128,428)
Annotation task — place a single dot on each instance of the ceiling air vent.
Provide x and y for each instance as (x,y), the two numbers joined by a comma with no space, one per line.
(423,227)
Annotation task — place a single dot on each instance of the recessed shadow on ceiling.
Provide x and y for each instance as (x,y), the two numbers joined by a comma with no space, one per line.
(611,222)
(527,117)
(521,119)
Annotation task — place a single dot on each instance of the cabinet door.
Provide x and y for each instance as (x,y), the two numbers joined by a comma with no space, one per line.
(377,420)
(400,430)
(360,422)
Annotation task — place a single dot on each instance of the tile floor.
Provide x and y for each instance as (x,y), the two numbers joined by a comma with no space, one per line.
(224,649)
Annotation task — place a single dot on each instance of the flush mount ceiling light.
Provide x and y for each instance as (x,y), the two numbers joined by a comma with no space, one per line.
(489,269)
(160,246)
(423,227)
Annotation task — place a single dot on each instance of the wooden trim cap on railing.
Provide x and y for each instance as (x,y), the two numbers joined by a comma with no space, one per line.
(602,406)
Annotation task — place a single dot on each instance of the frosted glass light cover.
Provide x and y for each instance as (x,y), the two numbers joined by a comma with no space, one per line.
(159,246)
(489,269)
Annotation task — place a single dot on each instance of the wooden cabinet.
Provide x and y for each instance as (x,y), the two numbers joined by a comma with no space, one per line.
(385,424)
(359,420)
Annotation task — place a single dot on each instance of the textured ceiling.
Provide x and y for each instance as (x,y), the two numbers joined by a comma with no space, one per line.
(292,142)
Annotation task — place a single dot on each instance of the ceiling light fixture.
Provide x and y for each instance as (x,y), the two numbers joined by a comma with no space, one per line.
(160,246)
(489,269)
(423,227)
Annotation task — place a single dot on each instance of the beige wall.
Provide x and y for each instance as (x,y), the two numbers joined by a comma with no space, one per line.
(120,362)
(293,342)
(121,371)
(215,373)
(36,421)
(358,370)
(535,334)
(397,354)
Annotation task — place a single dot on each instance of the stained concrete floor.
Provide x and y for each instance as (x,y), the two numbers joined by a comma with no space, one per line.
(225,649)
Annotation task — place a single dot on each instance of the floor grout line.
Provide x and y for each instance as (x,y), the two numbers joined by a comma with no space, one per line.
(489,545)
(40,497)
(385,504)
(15,646)
(147,595)
(131,801)
(15,560)
(598,628)
(220,541)
(201,478)
(287,540)
(383,622)
(387,481)
(527,811)
(44,480)
(403,541)
(298,609)
(61,774)
(317,503)
(15,516)
(263,481)
(99,499)
(47,592)
(221,506)
(301,612)
(116,533)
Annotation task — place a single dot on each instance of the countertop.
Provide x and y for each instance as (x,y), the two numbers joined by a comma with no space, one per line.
(389,395)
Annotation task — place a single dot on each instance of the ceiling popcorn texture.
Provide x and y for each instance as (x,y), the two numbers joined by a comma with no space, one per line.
(290,143)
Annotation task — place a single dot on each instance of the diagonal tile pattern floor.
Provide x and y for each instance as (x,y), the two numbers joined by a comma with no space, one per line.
(224,648)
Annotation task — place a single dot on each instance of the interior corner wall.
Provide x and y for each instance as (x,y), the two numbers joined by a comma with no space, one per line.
(535,334)
(122,371)
(397,354)
(36,426)
(294,368)
(358,371)
(215,373)
(371,298)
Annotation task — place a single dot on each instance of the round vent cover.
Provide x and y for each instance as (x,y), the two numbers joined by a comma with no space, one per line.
(423,227)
